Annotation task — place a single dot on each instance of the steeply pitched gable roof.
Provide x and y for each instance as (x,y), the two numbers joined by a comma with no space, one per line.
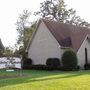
(67,35)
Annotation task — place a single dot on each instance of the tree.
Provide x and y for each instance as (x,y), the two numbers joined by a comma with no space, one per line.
(28,33)
(1,48)
(21,25)
(8,51)
(56,10)
(25,30)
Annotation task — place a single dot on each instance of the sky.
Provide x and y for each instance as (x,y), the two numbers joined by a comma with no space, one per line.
(10,10)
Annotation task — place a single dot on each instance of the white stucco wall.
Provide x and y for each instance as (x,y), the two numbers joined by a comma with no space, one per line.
(44,46)
(81,53)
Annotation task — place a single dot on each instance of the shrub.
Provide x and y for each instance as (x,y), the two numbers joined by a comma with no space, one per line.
(27,63)
(42,67)
(27,67)
(69,60)
(77,68)
(69,68)
(35,67)
(50,68)
(87,66)
(53,62)
(38,67)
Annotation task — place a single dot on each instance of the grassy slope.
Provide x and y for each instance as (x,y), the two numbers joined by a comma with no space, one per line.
(45,80)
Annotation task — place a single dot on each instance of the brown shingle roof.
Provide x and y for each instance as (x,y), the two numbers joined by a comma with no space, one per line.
(67,35)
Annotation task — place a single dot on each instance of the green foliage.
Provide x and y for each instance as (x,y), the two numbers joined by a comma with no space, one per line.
(55,62)
(39,67)
(28,33)
(57,10)
(69,59)
(1,48)
(8,51)
(16,53)
(21,25)
(34,67)
(1,45)
(87,66)
(25,30)
(27,62)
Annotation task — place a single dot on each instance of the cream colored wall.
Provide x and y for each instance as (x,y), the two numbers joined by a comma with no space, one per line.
(81,53)
(44,46)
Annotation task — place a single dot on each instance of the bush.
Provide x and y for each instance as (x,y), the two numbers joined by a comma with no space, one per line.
(70,68)
(53,62)
(35,67)
(38,67)
(87,66)
(27,67)
(77,68)
(27,63)
(42,67)
(50,68)
(69,60)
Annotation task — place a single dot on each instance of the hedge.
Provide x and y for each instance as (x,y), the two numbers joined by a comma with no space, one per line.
(54,62)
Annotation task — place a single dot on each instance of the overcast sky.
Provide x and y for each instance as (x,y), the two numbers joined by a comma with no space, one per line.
(10,9)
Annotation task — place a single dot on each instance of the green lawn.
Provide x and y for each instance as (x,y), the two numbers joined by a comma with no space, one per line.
(45,80)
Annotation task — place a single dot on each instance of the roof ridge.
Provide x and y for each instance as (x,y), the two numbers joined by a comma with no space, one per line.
(65,23)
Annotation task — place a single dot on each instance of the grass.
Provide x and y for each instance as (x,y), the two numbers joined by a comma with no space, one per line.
(46,80)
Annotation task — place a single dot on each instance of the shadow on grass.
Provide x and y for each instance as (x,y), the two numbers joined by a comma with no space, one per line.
(37,76)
